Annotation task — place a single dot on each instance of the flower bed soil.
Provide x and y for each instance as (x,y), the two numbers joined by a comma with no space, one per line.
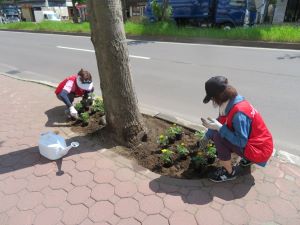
(148,154)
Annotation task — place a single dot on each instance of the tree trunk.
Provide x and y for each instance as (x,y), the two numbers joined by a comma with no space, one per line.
(108,36)
(124,10)
(165,5)
(75,12)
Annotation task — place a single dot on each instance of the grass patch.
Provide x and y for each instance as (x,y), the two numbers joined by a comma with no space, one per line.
(276,33)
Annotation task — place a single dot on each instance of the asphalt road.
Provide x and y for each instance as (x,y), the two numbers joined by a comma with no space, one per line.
(170,77)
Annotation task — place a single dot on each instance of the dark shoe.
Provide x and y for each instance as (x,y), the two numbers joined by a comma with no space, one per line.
(244,162)
(221,175)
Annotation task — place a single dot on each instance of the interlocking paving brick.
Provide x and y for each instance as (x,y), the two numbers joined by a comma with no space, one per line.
(148,187)
(30,200)
(287,186)
(151,204)
(244,191)
(75,214)
(67,165)
(174,202)
(105,163)
(101,211)
(283,208)
(23,172)
(44,169)
(129,221)
(103,176)
(273,172)
(59,182)
(235,214)
(126,207)
(222,195)
(12,185)
(180,217)
(102,192)
(259,211)
(290,169)
(155,220)
(199,197)
(267,189)
(82,178)
(124,174)
(85,164)
(126,189)
(207,215)
(23,217)
(49,216)
(37,183)
(8,201)
(79,195)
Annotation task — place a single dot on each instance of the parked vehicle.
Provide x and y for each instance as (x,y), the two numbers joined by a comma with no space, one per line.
(50,15)
(11,14)
(221,13)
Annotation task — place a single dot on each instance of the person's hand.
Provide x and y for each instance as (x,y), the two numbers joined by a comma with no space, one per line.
(211,123)
(73,112)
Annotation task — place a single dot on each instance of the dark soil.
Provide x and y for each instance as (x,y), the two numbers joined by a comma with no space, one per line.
(148,154)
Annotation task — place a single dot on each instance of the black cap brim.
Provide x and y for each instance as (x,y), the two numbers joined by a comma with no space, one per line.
(206,99)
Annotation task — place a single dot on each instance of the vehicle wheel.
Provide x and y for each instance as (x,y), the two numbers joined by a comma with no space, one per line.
(227,26)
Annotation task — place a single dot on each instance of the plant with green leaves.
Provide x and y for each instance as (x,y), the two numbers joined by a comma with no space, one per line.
(182,150)
(199,160)
(211,151)
(162,11)
(98,105)
(199,134)
(167,155)
(78,106)
(171,133)
(85,117)
(163,140)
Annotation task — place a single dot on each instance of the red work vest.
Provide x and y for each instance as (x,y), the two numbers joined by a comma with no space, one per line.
(78,91)
(259,146)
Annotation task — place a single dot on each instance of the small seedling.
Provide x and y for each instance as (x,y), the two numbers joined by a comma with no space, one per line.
(163,140)
(171,133)
(177,129)
(182,150)
(166,155)
(85,117)
(78,106)
(211,151)
(98,105)
(199,160)
(199,134)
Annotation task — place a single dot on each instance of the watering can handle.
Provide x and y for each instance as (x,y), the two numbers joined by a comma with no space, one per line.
(74,144)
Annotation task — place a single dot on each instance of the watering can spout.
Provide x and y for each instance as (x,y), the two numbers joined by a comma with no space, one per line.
(67,149)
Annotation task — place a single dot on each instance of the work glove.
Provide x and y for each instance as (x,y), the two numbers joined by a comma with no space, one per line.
(73,112)
(212,124)
(203,143)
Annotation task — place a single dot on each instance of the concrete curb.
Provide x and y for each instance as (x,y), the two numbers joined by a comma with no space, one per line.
(281,155)
(245,43)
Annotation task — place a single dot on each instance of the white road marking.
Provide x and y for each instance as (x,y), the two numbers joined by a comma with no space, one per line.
(88,50)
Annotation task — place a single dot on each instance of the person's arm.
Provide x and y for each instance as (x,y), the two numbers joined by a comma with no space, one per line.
(242,127)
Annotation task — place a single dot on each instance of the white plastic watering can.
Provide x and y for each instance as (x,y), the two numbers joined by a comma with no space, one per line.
(53,146)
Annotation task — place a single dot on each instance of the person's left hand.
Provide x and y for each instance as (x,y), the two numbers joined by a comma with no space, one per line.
(211,123)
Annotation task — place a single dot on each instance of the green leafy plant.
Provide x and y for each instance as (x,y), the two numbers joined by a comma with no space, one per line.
(182,150)
(171,133)
(78,106)
(199,134)
(199,160)
(163,140)
(166,155)
(85,117)
(177,129)
(211,151)
(162,11)
(98,105)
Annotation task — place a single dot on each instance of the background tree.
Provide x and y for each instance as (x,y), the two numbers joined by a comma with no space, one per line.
(124,120)
(162,11)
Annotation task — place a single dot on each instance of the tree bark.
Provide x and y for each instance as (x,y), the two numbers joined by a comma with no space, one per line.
(124,10)
(165,5)
(108,36)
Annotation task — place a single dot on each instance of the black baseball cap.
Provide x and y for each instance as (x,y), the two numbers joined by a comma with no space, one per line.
(214,86)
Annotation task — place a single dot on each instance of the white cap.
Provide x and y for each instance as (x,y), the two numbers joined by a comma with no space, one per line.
(84,86)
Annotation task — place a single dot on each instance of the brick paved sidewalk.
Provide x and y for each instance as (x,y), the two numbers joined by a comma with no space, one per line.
(99,187)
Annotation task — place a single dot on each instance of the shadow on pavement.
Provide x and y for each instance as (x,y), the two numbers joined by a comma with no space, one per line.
(56,117)
(29,157)
(287,56)
(136,42)
(203,191)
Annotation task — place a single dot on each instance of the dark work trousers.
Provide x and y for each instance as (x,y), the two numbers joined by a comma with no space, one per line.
(224,147)
(71,97)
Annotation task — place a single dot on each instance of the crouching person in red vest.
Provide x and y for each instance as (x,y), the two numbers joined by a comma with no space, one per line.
(239,128)
(74,86)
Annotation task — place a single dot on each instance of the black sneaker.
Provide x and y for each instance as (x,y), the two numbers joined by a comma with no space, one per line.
(221,175)
(244,162)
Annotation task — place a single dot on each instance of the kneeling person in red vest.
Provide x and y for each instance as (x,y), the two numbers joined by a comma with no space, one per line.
(77,85)
(239,128)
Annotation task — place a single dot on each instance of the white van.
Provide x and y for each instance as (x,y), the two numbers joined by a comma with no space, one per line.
(51,16)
